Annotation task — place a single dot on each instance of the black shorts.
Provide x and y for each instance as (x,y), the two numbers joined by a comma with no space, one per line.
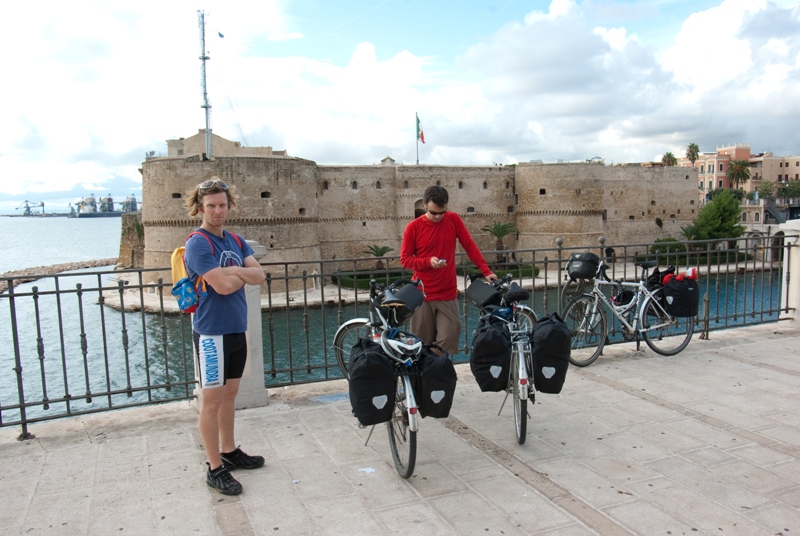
(217,365)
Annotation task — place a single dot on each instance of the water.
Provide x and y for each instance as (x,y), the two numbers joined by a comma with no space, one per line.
(31,242)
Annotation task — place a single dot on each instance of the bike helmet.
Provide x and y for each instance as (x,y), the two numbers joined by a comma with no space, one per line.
(400,344)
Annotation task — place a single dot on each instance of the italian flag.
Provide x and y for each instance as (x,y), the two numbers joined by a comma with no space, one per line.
(420,134)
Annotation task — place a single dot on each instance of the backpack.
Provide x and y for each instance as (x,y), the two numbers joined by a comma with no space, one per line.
(437,383)
(186,292)
(490,357)
(372,383)
(552,342)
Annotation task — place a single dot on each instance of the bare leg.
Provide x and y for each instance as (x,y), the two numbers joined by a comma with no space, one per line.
(225,417)
(208,422)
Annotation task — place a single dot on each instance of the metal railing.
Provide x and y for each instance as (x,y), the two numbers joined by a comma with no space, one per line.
(90,341)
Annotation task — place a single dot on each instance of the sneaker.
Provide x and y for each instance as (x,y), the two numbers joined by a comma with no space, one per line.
(239,460)
(221,480)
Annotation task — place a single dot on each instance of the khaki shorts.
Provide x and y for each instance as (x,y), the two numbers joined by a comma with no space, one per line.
(438,322)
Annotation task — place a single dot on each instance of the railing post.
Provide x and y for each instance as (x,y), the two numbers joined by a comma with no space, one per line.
(790,289)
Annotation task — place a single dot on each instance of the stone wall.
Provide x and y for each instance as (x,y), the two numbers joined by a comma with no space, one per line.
(131,241)
(304,212)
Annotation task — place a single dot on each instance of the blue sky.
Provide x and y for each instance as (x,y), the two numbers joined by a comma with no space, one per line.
(91,86)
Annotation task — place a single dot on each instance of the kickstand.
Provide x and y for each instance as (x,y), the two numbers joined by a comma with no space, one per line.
(370,433)
(504,402)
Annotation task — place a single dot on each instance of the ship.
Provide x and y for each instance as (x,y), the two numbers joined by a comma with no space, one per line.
(88,207)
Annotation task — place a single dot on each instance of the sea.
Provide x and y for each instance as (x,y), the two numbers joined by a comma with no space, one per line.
(36,241)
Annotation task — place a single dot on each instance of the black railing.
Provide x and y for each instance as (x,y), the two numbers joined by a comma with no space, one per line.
(90,341)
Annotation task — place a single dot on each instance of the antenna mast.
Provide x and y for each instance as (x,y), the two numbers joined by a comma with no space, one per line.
(203,57)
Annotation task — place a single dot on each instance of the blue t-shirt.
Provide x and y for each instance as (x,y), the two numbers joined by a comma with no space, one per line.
(217,314)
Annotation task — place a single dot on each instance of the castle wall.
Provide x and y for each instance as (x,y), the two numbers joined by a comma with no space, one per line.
(304,212)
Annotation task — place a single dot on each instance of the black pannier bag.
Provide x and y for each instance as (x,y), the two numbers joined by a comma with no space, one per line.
(552,342)
(491,354)
(482,294)
(681,297)
(437,383)
(372,383)
(583,265)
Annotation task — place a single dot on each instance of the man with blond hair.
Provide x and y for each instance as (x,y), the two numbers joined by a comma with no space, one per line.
(226,263)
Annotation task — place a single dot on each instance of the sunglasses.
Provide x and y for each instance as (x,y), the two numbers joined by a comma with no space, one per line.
(434,213)
(212,183)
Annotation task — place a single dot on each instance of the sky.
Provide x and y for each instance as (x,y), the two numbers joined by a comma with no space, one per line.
(90,87)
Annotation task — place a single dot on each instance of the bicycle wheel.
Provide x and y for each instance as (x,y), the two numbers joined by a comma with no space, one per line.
(520,405)
(346,336)
(402,441)
(664,334)
(571,289)
(526,318)
(586,320)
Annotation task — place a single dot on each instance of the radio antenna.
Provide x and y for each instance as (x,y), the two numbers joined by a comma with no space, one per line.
(203,57)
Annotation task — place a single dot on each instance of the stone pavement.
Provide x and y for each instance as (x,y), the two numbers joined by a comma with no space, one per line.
(706,442)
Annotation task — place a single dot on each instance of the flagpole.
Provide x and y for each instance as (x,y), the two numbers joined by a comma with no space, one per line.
(417,136)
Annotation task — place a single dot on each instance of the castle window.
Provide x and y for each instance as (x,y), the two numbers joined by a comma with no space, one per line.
(605,214)
(652,203)
(631,217)
(470,209)
(266,195)
(510,209)
(302,212)
(363,224)
(378,185)
(405,185)
(176,196)
(679,211)
(438,183)
(180,152)
(325,185)
(672,216)
(485,185)
(355,185)
(642,214)
(542,191)
(691,202)
(460,185)
(507,184)
(687,177)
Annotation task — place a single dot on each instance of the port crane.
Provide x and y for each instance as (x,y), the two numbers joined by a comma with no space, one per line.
(28,206)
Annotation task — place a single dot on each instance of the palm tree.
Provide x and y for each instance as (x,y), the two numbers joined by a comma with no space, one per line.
(738,172)
(669,159)
(378,251)
(692,153)
(499,231)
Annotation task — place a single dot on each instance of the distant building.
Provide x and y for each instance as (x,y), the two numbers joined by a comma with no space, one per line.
(712,168)
(196,145)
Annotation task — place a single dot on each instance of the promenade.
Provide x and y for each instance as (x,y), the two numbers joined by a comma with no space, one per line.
(706,442)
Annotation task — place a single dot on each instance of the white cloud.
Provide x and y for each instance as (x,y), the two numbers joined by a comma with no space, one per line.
(558,8)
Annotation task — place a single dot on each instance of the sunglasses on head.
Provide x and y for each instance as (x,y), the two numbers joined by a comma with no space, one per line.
(212,183)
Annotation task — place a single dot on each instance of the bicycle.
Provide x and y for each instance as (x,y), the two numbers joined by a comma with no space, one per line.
(519,319)
(387,310)
(639,309)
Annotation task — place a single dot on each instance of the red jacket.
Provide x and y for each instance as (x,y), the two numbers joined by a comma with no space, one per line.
(424,239)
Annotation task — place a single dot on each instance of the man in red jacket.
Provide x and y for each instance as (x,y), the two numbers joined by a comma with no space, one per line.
(429,248)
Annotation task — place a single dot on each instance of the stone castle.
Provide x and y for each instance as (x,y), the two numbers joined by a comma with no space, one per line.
(302,211)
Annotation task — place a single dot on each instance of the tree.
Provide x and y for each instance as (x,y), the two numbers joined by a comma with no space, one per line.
(766,189)
(669,159)
(792,189)
(378,251)
(738,194)
(499,231)
(692,153)
(738,172)
(719,218)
